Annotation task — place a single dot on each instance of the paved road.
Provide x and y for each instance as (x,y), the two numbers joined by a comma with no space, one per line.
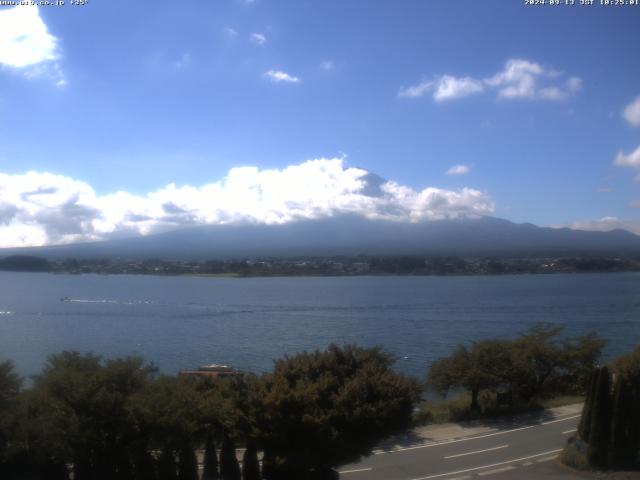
(529,446)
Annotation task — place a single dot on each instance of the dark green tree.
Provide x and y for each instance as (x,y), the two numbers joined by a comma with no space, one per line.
(143,463)
(584,426)
(628,368)
(325,408)
(229,468)
(536,364)
(10,384)
(77,412)
(187,463)
(250,465)
(621,450)
(597,451)
(210,471)
(169,412)
(485,365)
(167,468)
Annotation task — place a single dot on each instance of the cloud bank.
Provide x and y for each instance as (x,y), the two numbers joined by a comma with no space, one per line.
(606,224)
(44,208)
(520,79)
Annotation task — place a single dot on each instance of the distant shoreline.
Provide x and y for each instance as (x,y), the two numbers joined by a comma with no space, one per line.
(342,266)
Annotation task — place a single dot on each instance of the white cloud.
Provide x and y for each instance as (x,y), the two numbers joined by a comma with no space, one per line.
(458,170)
(631,159)
(27,46)
(230,32)
(327,65)
(450,88)
(24,38)
(278,76)
(258,38)
(415,91)
(631,112)
(517,80)
(520,79)
(44,208)
(606,224)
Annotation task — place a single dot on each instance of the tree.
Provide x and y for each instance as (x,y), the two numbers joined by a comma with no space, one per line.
(485,365)
(627,367)
(250,466)
(229,468)
(10,384)
(187,463)
(584,426)
(143,462)
(167,465)
(210,471)
(78,412)
(621,448)
(326,408)
(600,421)
(169,412)
(536,364)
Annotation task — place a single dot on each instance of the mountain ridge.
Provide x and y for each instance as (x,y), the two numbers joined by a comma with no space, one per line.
(352,235)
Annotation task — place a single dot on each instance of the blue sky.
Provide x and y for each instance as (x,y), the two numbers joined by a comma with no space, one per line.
(470,107)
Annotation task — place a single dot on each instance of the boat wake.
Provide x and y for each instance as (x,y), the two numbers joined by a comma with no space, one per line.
(106,300)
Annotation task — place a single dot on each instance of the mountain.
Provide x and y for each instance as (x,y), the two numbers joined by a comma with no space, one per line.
(353,235)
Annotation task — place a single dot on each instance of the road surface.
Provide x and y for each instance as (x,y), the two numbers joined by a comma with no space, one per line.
(526,449)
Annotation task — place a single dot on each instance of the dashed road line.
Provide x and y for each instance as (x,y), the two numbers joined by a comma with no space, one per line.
(466,470)
(356,470)
(547,459)
(477,451)
(466,439)
(497,470)
(570,431)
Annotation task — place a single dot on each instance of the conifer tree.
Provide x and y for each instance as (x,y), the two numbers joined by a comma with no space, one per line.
(267,465)
(250,466)
(143,465)
(210,471)
(229,468)
(600,421)
(585,420)
(187,464)
(167,465)
(619,438)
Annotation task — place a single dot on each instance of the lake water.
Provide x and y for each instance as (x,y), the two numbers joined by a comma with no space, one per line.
(183,322)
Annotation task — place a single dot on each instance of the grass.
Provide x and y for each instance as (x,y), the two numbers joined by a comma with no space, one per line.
(561,400)
(456,409)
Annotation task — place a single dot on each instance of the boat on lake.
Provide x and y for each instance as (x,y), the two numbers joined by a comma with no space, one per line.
(213,370)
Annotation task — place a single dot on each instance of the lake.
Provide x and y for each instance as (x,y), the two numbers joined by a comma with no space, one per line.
(184,322)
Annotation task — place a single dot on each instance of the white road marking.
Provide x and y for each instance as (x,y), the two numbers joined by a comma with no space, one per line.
(466,439)
(570,431)
(488,466)
(496,470)
(356,470)
(477,451)
(547,459)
